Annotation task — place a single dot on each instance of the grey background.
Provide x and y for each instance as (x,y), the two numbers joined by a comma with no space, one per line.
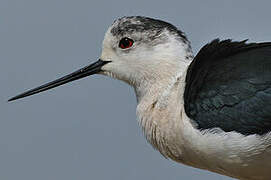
(87,129)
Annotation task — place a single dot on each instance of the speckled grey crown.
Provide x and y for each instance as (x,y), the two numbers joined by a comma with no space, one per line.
(132,24)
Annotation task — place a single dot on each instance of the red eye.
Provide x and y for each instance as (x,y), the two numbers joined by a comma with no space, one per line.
(126,43)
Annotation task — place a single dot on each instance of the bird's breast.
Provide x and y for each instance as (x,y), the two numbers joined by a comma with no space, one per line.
(169,130)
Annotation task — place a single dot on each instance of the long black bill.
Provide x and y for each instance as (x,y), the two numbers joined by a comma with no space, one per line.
(81,73)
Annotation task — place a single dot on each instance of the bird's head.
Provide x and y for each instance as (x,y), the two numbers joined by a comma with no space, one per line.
(137,50)
(141,48)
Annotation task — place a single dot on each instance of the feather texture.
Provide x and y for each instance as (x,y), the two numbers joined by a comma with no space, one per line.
(228,86)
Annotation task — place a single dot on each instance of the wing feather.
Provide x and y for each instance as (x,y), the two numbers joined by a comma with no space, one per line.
(228,86)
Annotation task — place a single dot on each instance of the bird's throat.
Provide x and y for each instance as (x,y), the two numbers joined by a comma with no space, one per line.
(157,114)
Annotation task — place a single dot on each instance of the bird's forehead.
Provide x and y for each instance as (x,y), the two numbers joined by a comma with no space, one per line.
(150,27)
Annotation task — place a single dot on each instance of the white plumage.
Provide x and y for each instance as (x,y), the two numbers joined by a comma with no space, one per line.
(153,57)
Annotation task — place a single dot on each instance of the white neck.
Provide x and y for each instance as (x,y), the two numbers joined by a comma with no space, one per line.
(156,98)
(149,89)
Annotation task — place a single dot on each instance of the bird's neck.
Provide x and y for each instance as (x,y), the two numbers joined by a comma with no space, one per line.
(158,82)
(157,108)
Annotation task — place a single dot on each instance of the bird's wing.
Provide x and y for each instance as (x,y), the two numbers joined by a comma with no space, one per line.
(228,86)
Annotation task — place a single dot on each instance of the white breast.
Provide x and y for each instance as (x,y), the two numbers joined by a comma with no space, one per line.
(171,132)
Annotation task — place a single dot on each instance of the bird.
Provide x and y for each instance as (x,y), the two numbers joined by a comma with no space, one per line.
(211,111)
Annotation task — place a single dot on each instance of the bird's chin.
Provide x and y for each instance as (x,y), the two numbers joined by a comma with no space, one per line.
(116,76)
(109,74)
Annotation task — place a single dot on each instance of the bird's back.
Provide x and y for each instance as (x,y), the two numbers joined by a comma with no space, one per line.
(228,86)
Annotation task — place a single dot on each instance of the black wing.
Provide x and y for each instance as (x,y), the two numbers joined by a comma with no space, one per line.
(228,86)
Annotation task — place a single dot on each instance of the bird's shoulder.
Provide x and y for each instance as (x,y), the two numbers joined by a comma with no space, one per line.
(228,86)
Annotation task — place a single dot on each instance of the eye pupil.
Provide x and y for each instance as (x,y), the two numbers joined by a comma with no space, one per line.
(125,43)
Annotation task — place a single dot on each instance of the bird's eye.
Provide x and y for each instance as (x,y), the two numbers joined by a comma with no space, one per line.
(126,43)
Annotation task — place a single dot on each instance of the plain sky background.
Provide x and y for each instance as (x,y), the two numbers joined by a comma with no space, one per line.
(87,129)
